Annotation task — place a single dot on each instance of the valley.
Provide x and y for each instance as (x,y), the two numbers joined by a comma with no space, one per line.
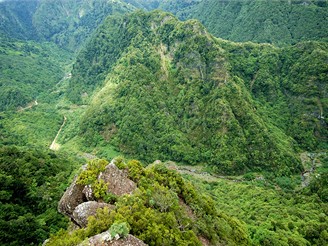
(224,111)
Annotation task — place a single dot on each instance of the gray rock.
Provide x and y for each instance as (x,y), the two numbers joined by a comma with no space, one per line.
(105,239)
(88,192)
(83,211)
(117,181)
(72,197)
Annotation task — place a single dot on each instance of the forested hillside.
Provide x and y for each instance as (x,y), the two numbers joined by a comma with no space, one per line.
(32,182)
(67,23)
(16,19)
(163,208)
(70,23)
(232,137)
(28,70)
(173,6)
(263,21)
(169,90)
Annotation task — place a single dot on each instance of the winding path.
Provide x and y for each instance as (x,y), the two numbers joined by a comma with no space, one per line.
(55,146)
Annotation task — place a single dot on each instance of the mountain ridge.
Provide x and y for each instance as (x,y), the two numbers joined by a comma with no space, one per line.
(194,69)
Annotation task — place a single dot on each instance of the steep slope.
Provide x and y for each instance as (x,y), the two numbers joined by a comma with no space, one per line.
(32,181)
(173,6)
(70,23)
(161,208)
(263,21)
(169,90)
(16,19)
(28,70)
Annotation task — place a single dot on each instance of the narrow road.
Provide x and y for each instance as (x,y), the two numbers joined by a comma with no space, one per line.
(55,146)
(30,105)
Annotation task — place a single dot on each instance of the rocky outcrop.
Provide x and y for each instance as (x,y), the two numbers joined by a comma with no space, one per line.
(83,211)
(105,239)
(72,197)
(78,201)
(117,181)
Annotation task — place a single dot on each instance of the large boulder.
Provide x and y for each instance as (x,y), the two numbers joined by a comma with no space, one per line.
(117,181)
(83,211)
(72,197)
(105,239)
(78,201)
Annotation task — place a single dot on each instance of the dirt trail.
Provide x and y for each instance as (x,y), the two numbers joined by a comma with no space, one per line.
(55,146)
(30,105)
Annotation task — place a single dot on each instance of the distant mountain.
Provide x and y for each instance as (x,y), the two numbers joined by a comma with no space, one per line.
(164,89)
(16,19)
(68,23)
(168,5)
(263,21)
(28,70)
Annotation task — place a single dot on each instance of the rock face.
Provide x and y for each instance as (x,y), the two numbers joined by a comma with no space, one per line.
(117,181)
(103,239)
(78,201)
(72,197)
(86,209)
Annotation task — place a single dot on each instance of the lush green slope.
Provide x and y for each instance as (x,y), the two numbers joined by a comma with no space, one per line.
(163,210)
(169,90)
(27,70)
(32,182)
(263,21)
(16,19)
(289,86)
(272,216)
(70,23)
(173,6)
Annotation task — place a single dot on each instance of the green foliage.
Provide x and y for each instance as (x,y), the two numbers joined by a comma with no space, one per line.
(164,210)
(70,29)
(90,174)
(231,107)
(32,182)
(273,216)
(27,71)
(263,21)
(122,229)
(16,19)
(35,127)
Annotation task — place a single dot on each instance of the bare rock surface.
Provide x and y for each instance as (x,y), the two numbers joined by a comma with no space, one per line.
(117,181)
(88,193)
(105,239)
(86,209)
(78,201)
(72,197)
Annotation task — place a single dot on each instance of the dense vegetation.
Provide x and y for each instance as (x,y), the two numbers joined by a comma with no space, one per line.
(28,70)
(16,19)
(263,21)
(173,6)
(68,23)
(164,210)
(32,182)
(273,216)
(231,101)
(151,87)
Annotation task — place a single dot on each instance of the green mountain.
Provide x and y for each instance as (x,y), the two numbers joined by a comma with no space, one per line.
(173,6)
(164,89)
(16,19)
(263,21)
(155,204)
(28,70)
(70,23)
(32,181)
